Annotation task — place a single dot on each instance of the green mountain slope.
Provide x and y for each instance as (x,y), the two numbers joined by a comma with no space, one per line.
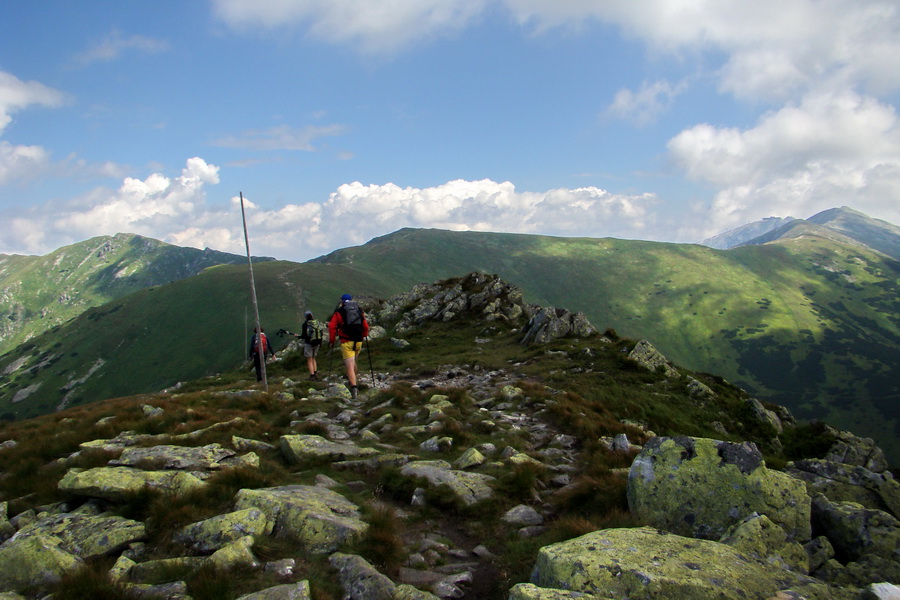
(41,292)
(809,322)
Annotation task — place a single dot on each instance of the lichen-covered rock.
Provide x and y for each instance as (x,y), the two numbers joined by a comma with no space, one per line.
(237,554)
(88,536)
(469,459)
(529,591)
(297,448)
(841,482)
(216,532)
(850,449)
(765,415)
(35,560)
(645,354)
(288,591)
(469,488)
(404,591)
(6,528)
(522,515)
(317,517)
(700,487)
(855,530)
(359,579)
(116,483)
(551,323)
(179,458)
(645,563)
(759,537)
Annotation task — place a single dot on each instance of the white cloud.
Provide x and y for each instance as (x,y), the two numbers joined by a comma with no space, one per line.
(175,210)
(378,26)
(829,150)
(647,104)
(772,49)
(16,94)
(21,162)
(115,43)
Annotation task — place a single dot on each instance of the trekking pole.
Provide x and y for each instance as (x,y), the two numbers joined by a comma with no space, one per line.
(369,352)
(330,359)
(259,332)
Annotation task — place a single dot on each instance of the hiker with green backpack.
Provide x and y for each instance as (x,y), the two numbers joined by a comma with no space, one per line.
(311,333)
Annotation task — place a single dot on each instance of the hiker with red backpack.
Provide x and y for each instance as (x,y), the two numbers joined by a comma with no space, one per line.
(349,324)
(260,350)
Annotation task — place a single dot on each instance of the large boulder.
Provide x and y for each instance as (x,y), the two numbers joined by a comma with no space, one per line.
(856,531)
(551,323)
(700,488)
(645,563)
(34,561)
(317,517)
(287,591)
(117,483)
(359,579)
(468,488)
(841,482)
(645,354)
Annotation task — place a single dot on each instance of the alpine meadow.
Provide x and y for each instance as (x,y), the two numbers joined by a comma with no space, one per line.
(807,315)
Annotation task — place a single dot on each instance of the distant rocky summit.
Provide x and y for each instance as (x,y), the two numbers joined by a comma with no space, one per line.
(307,473)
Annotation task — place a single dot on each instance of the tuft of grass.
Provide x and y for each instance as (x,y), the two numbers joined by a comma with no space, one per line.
(382,544)
(91,582)
(593,496)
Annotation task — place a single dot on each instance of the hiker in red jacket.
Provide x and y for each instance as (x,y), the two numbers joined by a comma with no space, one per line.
(350,325)
(260,351)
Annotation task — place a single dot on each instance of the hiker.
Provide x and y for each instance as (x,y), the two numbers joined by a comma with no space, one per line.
(349,324)
(259,351)
(311,334)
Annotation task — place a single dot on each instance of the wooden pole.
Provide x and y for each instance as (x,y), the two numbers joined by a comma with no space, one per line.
(262,360)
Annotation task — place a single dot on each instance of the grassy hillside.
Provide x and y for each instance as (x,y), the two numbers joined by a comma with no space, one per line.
(40,292)
(807,322)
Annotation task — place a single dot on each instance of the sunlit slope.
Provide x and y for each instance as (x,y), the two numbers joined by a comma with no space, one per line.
(40,292)
(809,322)
(162,335)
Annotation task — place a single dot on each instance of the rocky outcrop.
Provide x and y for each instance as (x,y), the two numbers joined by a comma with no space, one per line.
(548,324)
(117,483)
(700,487)
(848,483)
(646,355)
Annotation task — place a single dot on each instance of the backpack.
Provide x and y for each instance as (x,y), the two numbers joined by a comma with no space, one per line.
(352,315)
(265,344)
(314,331)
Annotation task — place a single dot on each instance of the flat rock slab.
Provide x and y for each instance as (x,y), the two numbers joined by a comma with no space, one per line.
(317,517)
(117,483)
(297,448)
(180,458)
(645,563)
(88,536)
(467,487)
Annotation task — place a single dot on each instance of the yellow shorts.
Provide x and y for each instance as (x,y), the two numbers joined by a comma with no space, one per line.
(350,349)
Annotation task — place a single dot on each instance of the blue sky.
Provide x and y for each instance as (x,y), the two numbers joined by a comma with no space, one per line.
(343,120)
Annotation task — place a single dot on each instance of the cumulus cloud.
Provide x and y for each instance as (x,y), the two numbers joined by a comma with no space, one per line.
(828,150)
(115,44)
(175,210)
(772,50)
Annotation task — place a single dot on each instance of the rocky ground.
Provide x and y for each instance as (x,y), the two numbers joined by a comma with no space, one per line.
(463,480)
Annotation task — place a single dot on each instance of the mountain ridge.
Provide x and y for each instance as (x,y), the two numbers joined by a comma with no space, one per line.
(808,322)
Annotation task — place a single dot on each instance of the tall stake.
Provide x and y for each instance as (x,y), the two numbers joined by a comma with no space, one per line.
(262,359)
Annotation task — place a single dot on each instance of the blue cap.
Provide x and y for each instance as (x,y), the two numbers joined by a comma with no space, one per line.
(346,297)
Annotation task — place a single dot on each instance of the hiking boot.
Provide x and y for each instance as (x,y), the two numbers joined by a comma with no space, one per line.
(354,392)
(314,377)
